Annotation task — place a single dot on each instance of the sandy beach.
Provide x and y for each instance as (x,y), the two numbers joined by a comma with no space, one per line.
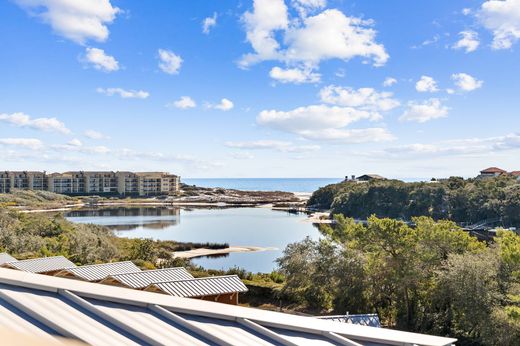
(208,252)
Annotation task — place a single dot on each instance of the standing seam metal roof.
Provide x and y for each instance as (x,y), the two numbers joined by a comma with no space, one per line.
(143,279)
(5,257)
(110,315)
(41,265)
(96,272)
(199,287)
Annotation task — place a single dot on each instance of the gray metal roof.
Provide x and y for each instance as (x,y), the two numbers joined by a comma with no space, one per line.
(200,287)
(144,278)
(96,272)
(110,315)
(5,257)
(41,265)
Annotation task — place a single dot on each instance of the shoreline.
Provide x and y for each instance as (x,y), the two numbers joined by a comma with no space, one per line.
(203,252)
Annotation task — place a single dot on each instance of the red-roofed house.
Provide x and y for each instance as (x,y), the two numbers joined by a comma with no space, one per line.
(491,172)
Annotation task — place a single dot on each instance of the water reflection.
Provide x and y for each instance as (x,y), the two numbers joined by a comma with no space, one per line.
(126,219)
(236,226)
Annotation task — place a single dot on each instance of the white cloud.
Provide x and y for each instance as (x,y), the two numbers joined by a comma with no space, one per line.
(100,60)
(502,18)
(75,142)
(307,40)
(389,81)
(126,94)
(76,20)
(28,143)
(317,117)
(304,7)
(224,105)
(424,111)
(208,23)
(363,98)
(465,82)
(95,135)
(466,11)
(242,156)
(44,124)
(426,84)
(468,41)
(372,134)
(322,122)
(170,62)
(185,102)
(267,17)
(282,146)
(457,147)
(294,75)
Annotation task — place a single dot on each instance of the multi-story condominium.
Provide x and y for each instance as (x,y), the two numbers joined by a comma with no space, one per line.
(24,180)
(93,183)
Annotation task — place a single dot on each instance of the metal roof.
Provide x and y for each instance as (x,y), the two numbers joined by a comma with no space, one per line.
(5,257)
(144,278)
(110,315)
(199,287)
(41,265)
(96,272)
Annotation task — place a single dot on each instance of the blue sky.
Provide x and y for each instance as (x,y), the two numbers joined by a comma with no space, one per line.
(265,88)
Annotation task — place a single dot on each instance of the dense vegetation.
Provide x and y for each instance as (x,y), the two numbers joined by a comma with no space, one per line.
(35,199)
(456,199)
(432,278)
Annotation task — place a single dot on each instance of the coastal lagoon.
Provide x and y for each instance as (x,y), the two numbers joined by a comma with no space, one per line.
(261,227)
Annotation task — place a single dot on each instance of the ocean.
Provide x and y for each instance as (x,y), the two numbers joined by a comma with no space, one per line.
(264,184)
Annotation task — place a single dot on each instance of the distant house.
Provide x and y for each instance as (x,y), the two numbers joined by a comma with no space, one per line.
(370,177)
(491,172)
(515,174)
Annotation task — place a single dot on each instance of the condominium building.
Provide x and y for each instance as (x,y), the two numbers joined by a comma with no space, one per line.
(93,183)
(24,180)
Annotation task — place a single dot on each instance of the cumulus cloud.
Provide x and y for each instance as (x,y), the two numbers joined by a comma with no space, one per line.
(100,60)
(424,111)
(426,84)
(294,75)
(367,99)
(304,7)
(95,135)
(468,41)
(185,102)
(282,146)
(208,23)
(20,119)
(465,82)
(170,62)
(126,94)
(305,41)
(224,105)
(323,122)
(389,81)
(78,20)
(26,143)
(502,18)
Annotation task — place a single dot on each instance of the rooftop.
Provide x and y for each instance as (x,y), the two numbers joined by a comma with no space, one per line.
(493,170)
(5,257)
(143,279)
(98,314)
(40,265)
(96,272)
(199,287)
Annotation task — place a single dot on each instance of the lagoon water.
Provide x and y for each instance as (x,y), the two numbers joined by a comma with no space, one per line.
(237,226)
